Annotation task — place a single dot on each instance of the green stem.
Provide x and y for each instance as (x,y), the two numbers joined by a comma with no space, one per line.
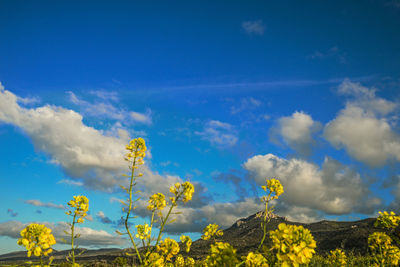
(72,240)
(265,222)
(166,219)
(151,227)
(130,208)
(41,261)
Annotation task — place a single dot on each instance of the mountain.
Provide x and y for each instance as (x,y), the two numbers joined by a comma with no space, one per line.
(245,235)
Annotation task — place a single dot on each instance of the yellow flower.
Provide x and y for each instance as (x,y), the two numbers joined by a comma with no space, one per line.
(295,244)
(210,231)
(255,260)
(275,187)
(168,248)
(154,260)
(221,254)
(337,258)
(157,201)
(186,240)
(387,220)
(188,190)
(137,151)
(37,239)
(143,231)
(179,261)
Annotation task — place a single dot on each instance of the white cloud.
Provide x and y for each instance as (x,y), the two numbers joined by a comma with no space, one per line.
(256,27)
(219,133)
(333,52)
(362,127)
(144,118)
(39,203)
(246,103)
(89,237)
(82,152)
(70,182)
(334,189)
(297,130)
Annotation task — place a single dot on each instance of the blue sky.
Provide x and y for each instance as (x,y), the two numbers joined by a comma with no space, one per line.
(225,93)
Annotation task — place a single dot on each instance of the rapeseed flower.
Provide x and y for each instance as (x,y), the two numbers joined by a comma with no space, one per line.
(221,254)
(169,248)
(337,258)
(295,244)
(37,239)
(157,201)
(210,231)
(255,260)
(387,220)
(187,241)
(143,231)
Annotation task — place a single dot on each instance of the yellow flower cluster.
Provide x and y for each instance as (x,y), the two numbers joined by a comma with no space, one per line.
(137,151)
(387,220)
(168,248)
(179,261)
(143,231)
(385,253)
(210,231)
(186,188)
(186,240)
(337,258)
(38,239)
(81,205)
(221,254)
(154,259)
(157,201)
(256,260)
(295,244)
(275,187)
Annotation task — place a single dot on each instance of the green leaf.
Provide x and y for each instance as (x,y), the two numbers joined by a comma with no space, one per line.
(67,233)
(118,232)
(77,235)
(171,221)
(129,254)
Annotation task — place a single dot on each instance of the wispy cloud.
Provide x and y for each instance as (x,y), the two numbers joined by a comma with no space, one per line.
(246,103)
(333,52)
(103,218)
(39,203)
(219,133)
(12,213)
(70,182)
(144,118)
(256,27)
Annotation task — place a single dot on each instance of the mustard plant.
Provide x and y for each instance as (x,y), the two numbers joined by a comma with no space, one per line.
(38,240)
(211,231)
(294,244)
(255,260)
(274,189)
(221,254)
(79,206)
(136,153)
(337,258)
(384,253)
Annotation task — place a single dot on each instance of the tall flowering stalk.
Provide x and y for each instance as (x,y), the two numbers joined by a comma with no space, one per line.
(274,189)
(136,153)
(79,207)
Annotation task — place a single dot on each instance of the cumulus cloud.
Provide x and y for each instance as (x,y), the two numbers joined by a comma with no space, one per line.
(297,131)
(81,151)
(39,203)
(332,189)
(89,237)
(256,27)
(219,133)
(363,127)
